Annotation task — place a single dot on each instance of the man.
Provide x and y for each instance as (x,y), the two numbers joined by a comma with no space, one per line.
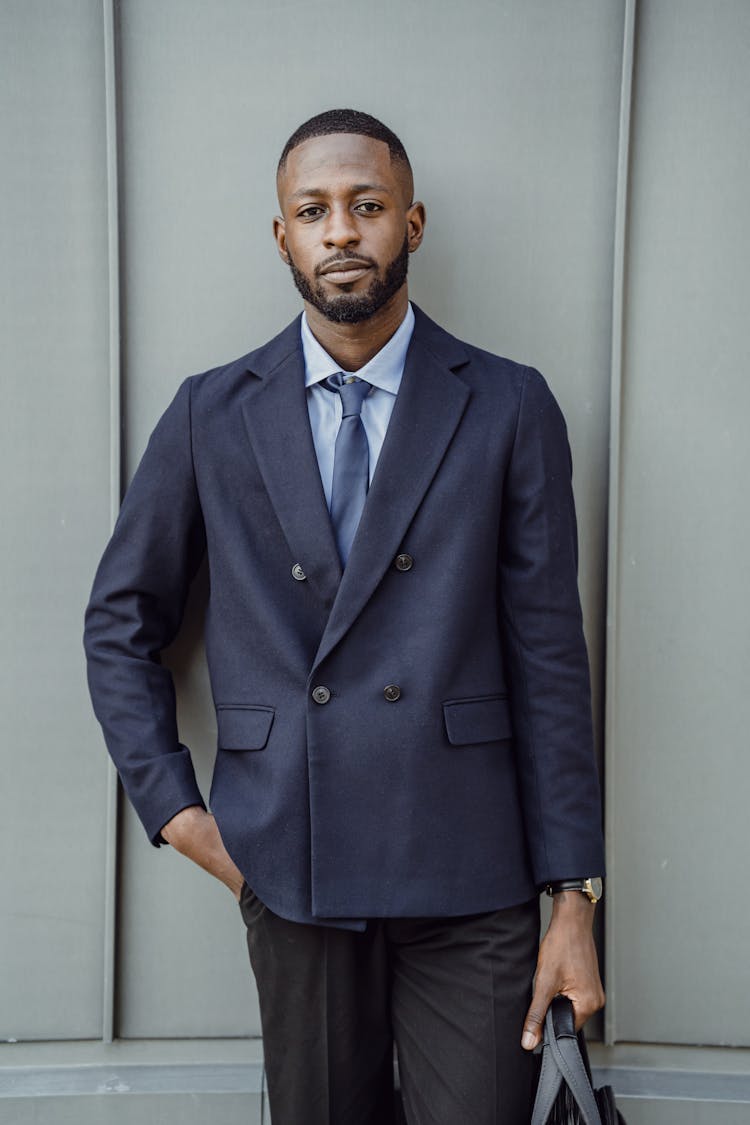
(397,662)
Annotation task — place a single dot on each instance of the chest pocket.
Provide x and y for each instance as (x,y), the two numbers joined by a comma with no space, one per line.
(243,726)
(484,718)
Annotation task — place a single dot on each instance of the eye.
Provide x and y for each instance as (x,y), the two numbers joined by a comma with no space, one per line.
(369,206)
(312,211)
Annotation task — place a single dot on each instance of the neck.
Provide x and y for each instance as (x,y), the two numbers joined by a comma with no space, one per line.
(354,345)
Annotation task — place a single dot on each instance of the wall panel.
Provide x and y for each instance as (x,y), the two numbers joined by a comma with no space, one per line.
(54,480)
(682,708)
(509,112)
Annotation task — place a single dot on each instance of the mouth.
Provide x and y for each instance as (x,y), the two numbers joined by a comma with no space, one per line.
(345,271)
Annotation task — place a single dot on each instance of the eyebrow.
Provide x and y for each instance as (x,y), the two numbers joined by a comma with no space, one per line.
(355,189)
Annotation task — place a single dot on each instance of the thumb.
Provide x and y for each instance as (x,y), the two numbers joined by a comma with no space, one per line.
(534,1022)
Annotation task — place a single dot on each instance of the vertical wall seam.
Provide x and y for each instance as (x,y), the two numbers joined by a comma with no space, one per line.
(115,481)
(613,529)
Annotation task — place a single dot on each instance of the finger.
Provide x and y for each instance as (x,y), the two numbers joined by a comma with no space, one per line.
(584,1004)
(534,1021)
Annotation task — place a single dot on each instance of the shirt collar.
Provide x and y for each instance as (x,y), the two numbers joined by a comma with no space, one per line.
(384,370)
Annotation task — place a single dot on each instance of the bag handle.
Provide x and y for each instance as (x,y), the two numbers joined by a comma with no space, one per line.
(548,1087)
(562,1062)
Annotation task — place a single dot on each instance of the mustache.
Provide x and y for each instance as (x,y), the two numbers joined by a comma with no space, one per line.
(349,258)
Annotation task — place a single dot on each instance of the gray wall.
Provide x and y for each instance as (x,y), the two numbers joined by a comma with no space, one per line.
(202,283)
(54,477)
(510,111)
(681,707)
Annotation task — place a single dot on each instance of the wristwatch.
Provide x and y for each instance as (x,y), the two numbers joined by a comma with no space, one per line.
(591,887)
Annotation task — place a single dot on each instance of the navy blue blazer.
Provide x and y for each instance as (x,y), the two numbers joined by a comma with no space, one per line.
(474,782)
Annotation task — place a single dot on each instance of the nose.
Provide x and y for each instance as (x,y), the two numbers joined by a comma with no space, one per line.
(341,228)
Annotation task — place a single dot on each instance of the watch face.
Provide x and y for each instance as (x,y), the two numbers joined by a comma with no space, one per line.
(594,887)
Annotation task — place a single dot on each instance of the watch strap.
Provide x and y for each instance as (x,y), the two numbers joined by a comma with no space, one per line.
(585,886)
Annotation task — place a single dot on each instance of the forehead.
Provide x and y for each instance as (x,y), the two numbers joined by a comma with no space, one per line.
(327,163)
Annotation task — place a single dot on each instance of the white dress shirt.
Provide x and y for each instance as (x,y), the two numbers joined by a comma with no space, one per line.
(384,371)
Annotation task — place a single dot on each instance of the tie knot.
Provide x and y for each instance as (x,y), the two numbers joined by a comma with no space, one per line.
(353,392)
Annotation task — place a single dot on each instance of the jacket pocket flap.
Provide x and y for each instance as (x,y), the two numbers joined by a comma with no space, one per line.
(244,727)
(483,719)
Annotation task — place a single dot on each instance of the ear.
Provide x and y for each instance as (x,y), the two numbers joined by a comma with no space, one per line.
(279,234)
(416,217)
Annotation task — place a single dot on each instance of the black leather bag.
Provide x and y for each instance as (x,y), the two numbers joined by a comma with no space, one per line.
(565,1095)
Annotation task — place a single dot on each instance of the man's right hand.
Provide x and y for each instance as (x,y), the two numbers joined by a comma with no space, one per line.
(193,833)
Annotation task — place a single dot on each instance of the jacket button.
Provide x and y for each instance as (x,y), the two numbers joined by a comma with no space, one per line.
(404,562)
(321,694)
(392,692)
(298,573)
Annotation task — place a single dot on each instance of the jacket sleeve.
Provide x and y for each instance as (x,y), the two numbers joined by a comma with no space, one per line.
(545,647)
(135,611)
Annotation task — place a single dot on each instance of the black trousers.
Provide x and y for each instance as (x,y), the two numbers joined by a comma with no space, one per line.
(451,992)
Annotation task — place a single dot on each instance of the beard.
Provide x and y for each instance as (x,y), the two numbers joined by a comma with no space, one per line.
(352,308)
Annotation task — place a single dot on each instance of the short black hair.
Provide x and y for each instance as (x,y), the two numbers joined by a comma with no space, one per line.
(345,121)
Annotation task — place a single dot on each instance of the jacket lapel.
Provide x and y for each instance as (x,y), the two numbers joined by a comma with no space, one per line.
(278,426)
(428,408)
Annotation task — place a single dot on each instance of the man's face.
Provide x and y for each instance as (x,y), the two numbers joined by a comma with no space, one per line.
(348,224)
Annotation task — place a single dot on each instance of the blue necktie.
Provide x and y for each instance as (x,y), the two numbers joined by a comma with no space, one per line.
(351,461)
